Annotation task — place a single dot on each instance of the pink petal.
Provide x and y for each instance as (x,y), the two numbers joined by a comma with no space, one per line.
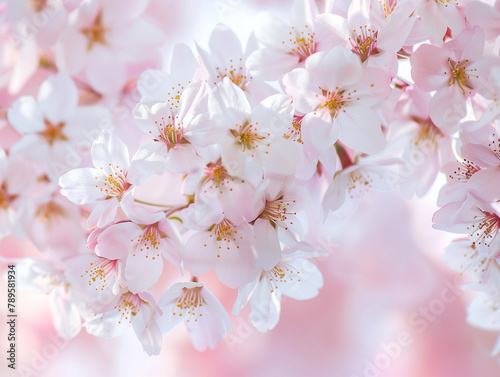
(117,241)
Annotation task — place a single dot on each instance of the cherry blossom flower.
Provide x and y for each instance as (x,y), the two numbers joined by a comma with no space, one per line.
(54,124)
(141,245)
(47,277)
(293,277)
(135,310)
(424,148)
(487,16)
(111,179)
(45,219)
(226,59)
(493,107)
(103,38)
(156,86)
(473,216)
(235,178)
(337,103)
(436,17)
(483,162)
(285,45)
(225,247)
(375,31)
(250,139)
(350,184)
(170,129)
(455,71)
(206,319)
(50,18)
(100,279)
(463,256)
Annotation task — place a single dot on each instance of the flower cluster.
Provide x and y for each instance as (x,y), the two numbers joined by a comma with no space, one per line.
(239,156)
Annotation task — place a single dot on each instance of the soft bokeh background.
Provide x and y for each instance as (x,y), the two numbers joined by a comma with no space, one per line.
(386,269)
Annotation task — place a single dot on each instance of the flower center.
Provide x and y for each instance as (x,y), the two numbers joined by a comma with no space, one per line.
(236,73)
(334,101)
(478,265)
(294,132)
(190,304)
(358,182)
(129,307)
(301,43)
(248,137)
(115,184)
(277,212)
(95,33)
(466,169)
(47,211)
(281,274)
(485,229)
(460,75)
(364,42)
(494,147)
(224,233)
(53,132)
(215,175)
(170,133)
(149,241)
(5,197)
(100,273)
(426,138)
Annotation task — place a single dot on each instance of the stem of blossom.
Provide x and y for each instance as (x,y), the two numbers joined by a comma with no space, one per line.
(152,204)
(194,279)
(345,159)
(175,209)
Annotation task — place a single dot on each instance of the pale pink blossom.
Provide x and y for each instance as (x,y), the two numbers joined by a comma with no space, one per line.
(104,38)
(456,71)
(251,139)
(294,277)
(286,44)
(226,59)
(436,17)
(50,278)
(111,179)
(141,245)
(206,319)
(337,94)
(225,247)
(170,129)
(373,30)
(481,266)
(129,310)
(54,124)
